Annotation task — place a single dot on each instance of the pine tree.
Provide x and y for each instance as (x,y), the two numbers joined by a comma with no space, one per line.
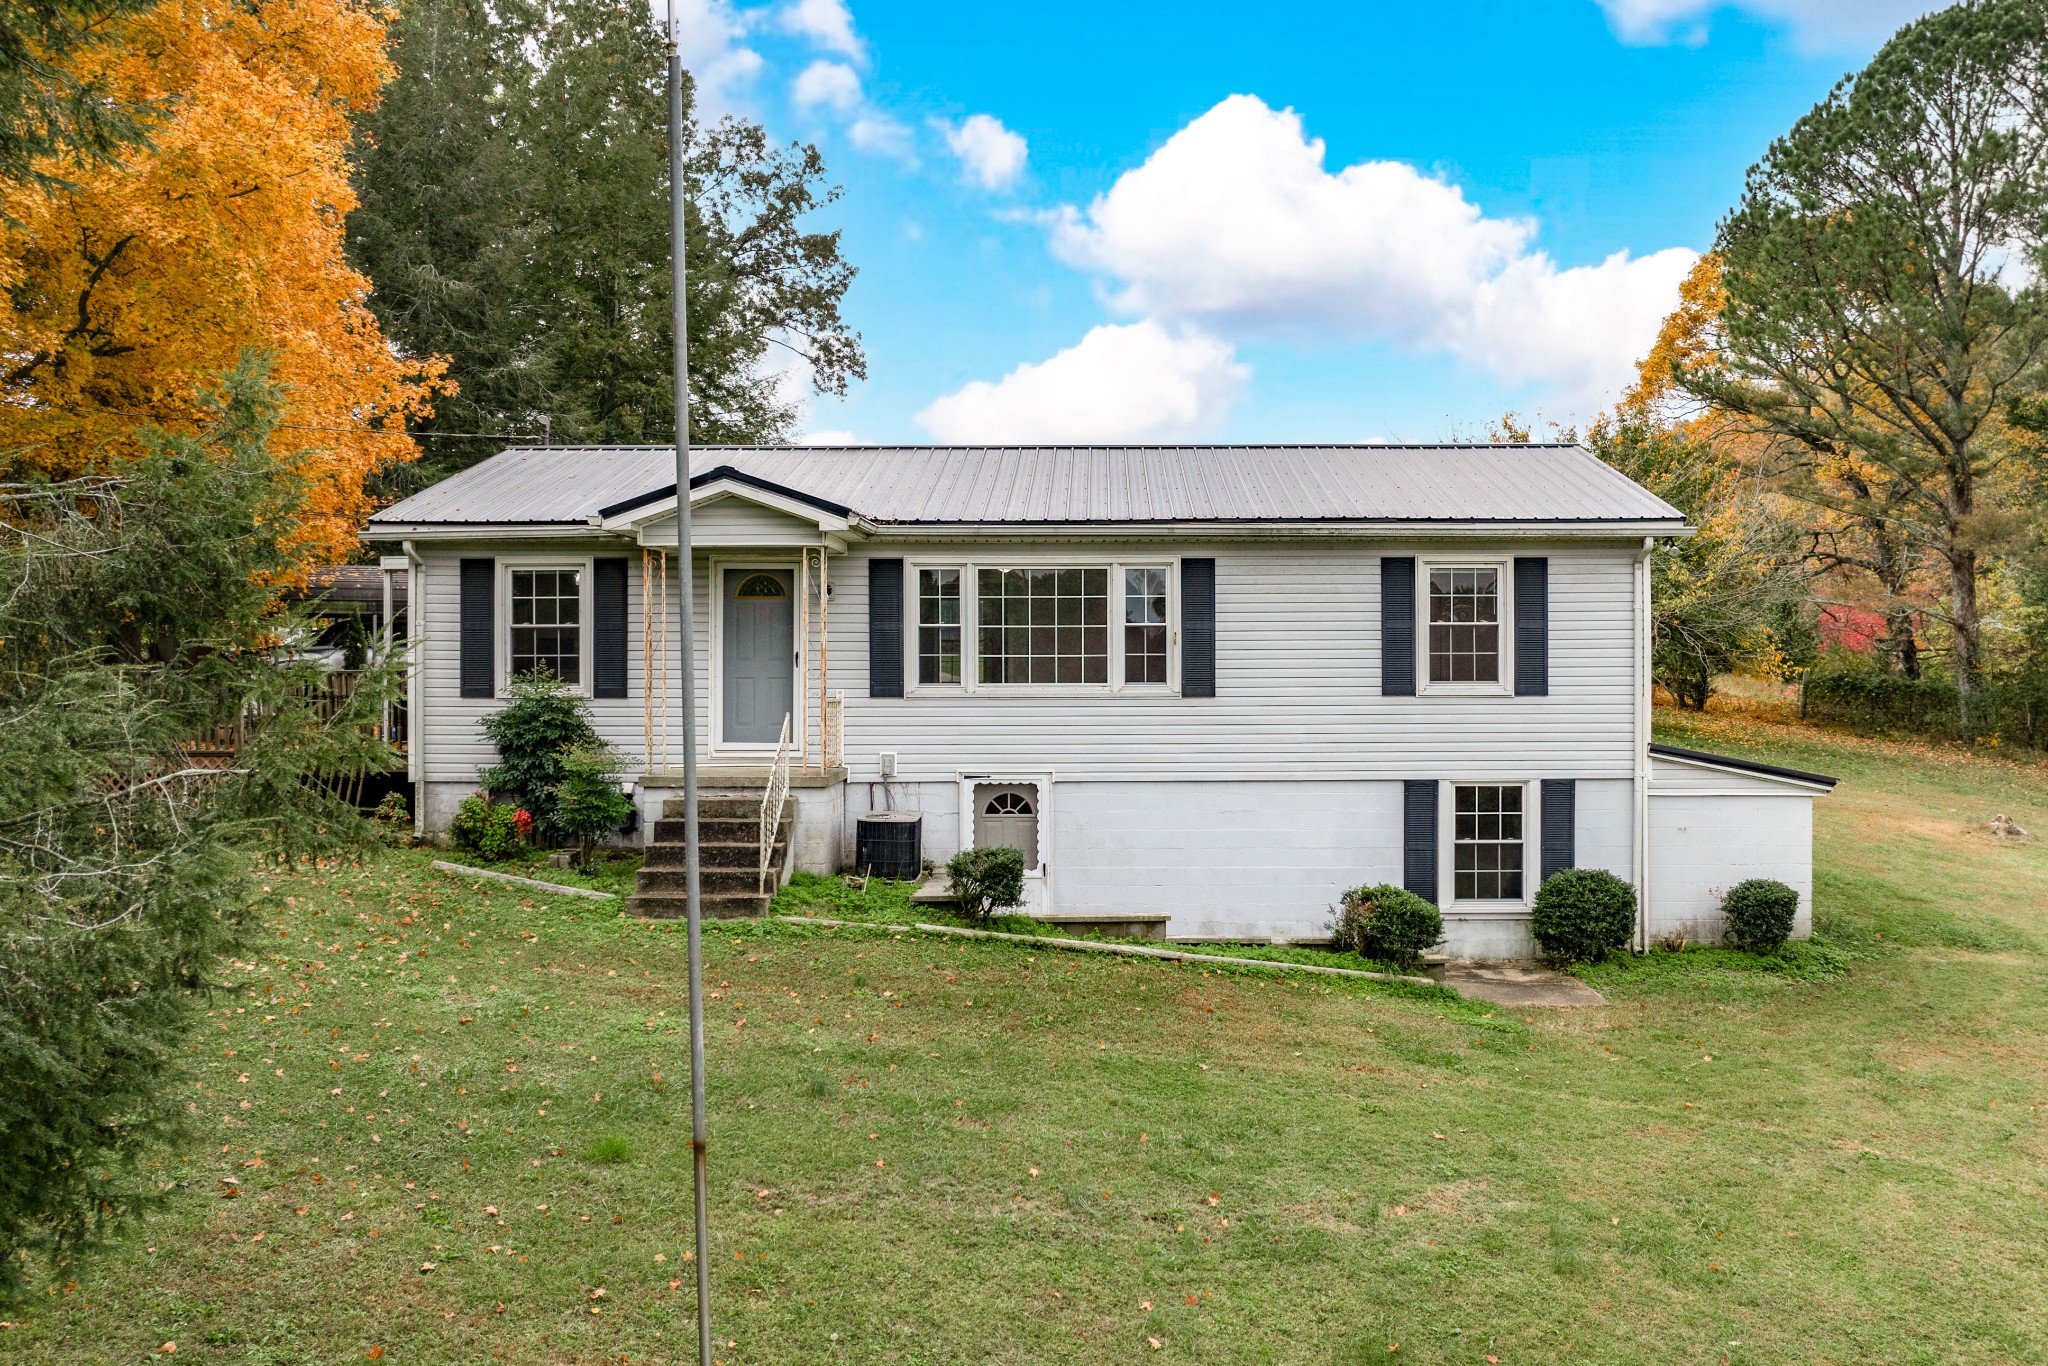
(142,616)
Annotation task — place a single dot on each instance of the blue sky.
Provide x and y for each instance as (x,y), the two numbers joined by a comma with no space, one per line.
(1133,221)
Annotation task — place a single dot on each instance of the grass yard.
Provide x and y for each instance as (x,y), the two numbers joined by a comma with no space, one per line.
(457,1117)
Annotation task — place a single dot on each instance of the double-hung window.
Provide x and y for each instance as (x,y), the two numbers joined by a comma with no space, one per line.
(1070,626)
(938,626)
(1144,626)
(1486,842)
(1464,624)
(547,623)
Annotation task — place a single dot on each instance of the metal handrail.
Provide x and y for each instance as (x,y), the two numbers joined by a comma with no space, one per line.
(771,803)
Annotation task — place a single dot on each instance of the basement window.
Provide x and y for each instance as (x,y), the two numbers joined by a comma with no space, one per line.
(1486,857)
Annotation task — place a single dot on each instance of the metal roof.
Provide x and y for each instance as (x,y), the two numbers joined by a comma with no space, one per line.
(1730,762)
(1063,485)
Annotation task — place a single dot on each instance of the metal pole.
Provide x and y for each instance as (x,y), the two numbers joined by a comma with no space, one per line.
(686,610)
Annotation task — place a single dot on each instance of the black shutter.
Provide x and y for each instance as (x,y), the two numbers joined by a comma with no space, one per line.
(479,620)
(1198,628)
(1418,838)
(1560,819)
(608,628)
(885,628)
(1532,626)
(1397,626)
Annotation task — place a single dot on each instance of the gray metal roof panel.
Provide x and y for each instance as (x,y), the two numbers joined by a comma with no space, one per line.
(1068,485)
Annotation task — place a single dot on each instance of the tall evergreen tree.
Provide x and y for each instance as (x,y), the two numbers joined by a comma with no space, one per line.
(514,217)
(1883,297)
(142,615)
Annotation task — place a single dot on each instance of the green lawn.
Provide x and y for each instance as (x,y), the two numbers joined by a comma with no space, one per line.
(926,1150)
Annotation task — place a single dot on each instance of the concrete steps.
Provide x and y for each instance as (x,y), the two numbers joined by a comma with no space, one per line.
(729,861)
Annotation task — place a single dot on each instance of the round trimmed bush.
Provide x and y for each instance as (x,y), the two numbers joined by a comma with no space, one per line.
(1758,915)
(1388,923)
(1581,913)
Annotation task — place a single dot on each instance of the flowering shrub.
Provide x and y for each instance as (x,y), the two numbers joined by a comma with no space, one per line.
(487,828)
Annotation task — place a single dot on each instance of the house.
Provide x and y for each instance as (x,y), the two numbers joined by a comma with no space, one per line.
(1206,688)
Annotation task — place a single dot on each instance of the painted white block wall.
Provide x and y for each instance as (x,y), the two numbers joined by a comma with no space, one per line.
(1710,829)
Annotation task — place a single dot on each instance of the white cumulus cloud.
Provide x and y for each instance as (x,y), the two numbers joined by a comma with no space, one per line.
(991,155)
(827,23)
(832,85)
(1236,226)
(709,39)
(1137,381)
(875,131)
(1816,25)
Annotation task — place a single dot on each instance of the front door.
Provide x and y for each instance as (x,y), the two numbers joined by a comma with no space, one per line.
(760,626)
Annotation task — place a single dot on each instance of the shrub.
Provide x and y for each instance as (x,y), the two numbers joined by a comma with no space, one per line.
(1581,913)
(588,802)
(1759,915)
(393,821)
(544,721)
(987,880)
(486,828)
(1389,923)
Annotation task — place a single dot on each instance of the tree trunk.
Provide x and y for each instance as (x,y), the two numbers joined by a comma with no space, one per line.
(1900,644)
(1964,623)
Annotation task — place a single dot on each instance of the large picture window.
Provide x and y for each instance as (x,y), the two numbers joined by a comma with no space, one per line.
(1079,626)
(547,623)
(1043,625)
(1464,624)
(1486,857)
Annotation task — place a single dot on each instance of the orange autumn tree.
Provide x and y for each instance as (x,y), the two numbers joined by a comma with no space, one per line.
(1848,508)
(131,291)
(1719,596)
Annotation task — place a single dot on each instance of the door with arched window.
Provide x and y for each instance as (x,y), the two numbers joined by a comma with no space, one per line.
(1006,814)
(759,662)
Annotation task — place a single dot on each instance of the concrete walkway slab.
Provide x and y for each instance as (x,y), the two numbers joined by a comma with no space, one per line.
(1519,984)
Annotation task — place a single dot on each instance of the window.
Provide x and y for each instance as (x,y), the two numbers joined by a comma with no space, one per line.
(547,614)
(938,626)
(1486,858)
(1144,626)
(1099,627)
(761,586)
(1042,625)
(1464,624)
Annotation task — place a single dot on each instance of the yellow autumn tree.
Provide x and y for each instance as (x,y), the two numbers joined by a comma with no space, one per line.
(136,287)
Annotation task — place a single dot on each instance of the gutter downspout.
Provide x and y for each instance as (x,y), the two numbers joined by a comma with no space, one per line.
(1642,745)
(415,718)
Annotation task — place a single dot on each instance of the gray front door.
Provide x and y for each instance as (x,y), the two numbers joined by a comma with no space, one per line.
(760,621)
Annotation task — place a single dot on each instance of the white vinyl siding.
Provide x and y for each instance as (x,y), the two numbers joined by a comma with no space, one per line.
(1297,670)
(1297,675)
